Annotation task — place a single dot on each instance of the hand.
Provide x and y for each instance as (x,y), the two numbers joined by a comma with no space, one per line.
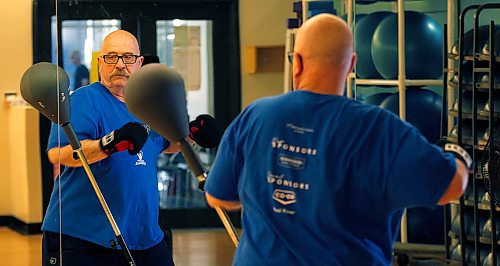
(205,131)
(131,137)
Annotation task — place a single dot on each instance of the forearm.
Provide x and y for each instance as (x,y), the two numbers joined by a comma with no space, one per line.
(458,184)
(91,149)
(173,148)
(224,204)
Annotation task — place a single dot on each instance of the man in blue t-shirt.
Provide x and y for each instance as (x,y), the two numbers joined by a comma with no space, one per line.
(122,153)
(323,180)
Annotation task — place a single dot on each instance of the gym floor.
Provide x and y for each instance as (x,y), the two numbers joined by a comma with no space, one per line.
(200,247)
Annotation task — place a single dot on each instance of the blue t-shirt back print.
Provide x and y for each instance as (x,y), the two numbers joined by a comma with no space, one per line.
(323,178)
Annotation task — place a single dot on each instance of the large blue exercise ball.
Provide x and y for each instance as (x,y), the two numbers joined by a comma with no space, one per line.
(482,40)
(423,47)
(423,110)
(367,2)
(377,99)
(363,35)
(425,226)
(487,49)
(357,18)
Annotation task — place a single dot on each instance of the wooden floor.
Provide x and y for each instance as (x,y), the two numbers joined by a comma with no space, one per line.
(191,247)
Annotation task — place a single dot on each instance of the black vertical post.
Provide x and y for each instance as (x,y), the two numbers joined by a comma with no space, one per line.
(463,233)
(492,97)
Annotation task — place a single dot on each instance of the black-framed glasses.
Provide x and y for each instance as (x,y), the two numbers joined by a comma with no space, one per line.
(126,58)
(290,57)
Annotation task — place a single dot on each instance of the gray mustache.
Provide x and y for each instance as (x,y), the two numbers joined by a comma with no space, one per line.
(119,72)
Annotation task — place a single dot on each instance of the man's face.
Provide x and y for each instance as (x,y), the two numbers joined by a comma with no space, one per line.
(74,59)
(118,60)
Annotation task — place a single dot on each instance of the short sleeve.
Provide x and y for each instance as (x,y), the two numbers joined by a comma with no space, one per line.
(222,180)
(84,120)
(419,173)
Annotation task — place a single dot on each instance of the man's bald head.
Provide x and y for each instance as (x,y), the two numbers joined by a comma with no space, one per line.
(119,39)
(324,45)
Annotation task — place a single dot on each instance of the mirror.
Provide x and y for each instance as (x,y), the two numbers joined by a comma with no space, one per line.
(169,33)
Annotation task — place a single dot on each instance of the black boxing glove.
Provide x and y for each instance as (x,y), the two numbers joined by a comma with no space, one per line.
(205,131)
(131,137)
(459,153)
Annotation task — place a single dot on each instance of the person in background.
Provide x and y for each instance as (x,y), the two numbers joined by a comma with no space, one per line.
(322,179)
(81,76)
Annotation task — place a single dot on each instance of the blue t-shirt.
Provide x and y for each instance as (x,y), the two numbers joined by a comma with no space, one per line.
(323,179)
(128,182)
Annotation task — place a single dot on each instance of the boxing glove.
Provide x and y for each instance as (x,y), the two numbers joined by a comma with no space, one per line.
(131,137)
(205,131)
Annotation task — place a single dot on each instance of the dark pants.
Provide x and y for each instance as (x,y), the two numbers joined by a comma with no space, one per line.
(76,252)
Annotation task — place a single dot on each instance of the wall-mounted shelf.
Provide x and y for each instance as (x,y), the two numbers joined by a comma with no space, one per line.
(263,59)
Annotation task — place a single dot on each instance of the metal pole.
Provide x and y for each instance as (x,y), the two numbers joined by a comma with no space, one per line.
(197,169)
(105,207)
(228,225)
(402,90)
(304,11)
(451,24)
(349,11)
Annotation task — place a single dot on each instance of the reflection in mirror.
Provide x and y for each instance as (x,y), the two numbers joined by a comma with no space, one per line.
(186,45)
(61,27)
(81,41)
(78,43)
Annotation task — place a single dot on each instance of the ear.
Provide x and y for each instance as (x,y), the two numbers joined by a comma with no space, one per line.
(353,62)
(140,60)
(297,66)
(100,61)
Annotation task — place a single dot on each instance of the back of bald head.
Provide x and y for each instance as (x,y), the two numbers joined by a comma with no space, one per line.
(327,39)
(120,38)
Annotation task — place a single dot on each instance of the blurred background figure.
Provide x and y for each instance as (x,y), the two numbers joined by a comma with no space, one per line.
(81,76)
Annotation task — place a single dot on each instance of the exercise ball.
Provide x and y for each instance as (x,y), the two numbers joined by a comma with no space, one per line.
(423,47)
(367,2)
(363,35)
(423,110)
(468,39)
(486,48)
(466,70)
(377,99)
(357,18)
(425,226)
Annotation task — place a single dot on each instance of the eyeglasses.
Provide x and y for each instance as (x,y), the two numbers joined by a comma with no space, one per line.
(290,57)
(126,58)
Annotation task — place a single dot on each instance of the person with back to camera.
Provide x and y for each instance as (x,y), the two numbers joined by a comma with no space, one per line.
(128,180)
(322,179)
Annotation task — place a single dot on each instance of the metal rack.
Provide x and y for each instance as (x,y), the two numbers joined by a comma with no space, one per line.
(402,82)
(470,235)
